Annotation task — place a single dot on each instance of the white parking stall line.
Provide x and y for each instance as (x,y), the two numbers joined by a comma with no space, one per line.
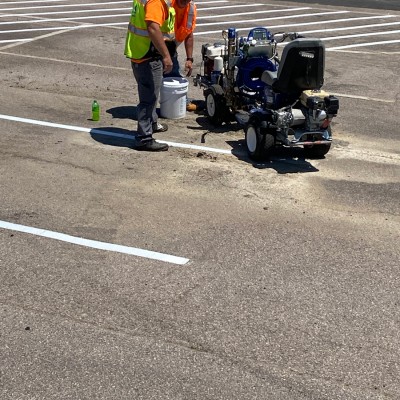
(64,5)
(364,98)
(30,1)
(211,2)
(349,28)
(97,10)
(296,24)
(65,61)
(252,13)
(273,18)
(361,35)
(229,6)
(15,40)
(349,46)
(72,19)
(94,243)
(56,28)
(108,133)
(76,18)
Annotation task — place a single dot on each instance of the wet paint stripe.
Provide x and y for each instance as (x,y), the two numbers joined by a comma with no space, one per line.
(95,244)
(108,133)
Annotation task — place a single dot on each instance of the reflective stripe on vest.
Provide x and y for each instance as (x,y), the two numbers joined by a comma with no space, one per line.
(145,33)
(189,23)
(138,41)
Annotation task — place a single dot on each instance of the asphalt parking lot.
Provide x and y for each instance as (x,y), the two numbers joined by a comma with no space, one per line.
(195,273)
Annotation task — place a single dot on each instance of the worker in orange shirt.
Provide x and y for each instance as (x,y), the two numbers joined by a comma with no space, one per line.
(185,22)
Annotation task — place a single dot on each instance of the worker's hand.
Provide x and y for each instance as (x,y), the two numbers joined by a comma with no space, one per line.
(167,63)
(188,68)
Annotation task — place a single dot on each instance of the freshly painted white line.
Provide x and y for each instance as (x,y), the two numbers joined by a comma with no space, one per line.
(296,24)
(108,133)
(252,13)
(94,243)
(272,19)
(363,45)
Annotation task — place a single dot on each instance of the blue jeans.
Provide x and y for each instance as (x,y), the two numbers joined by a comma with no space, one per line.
(148,75)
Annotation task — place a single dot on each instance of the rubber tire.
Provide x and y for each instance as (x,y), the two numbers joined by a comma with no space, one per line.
(259,145)
(317,151)
(215,105)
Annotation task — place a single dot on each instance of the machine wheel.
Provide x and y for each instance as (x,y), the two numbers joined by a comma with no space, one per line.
(215,105)
(259,144)
(317,151)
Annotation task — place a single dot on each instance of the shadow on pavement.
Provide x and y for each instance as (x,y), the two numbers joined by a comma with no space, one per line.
(283,160)
(123,112)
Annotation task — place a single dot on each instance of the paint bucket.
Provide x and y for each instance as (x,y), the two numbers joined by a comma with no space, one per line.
(173,98)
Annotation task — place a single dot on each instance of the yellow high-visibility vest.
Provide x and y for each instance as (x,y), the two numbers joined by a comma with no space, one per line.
(138,42)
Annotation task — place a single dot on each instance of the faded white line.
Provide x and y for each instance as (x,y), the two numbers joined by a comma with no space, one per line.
(352,96)
(273,18)
(64,61)
(72,19)
(94,243)
(69,12)
(36,38)
(296,24)
(108,133)
(252,13)
(360,35)
(62,5)
(228,6)
(56,28)
(31,1)
(363,45)
(350,28)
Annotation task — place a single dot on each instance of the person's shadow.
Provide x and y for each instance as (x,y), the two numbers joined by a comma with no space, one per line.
(112,136)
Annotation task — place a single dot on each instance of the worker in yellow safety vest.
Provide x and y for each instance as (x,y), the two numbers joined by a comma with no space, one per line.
(150,44)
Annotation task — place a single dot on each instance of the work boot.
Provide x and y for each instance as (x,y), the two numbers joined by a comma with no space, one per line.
(149,144)
(158,127)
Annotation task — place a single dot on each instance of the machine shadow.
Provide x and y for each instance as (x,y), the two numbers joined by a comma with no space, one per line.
(205,124)
(283,160)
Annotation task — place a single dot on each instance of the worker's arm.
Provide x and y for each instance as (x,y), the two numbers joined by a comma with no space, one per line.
(189,41)
(157,39)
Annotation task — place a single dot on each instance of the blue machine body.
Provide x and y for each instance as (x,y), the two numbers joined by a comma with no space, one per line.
(250,67)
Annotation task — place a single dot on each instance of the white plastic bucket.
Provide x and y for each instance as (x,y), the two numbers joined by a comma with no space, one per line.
(173,98)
